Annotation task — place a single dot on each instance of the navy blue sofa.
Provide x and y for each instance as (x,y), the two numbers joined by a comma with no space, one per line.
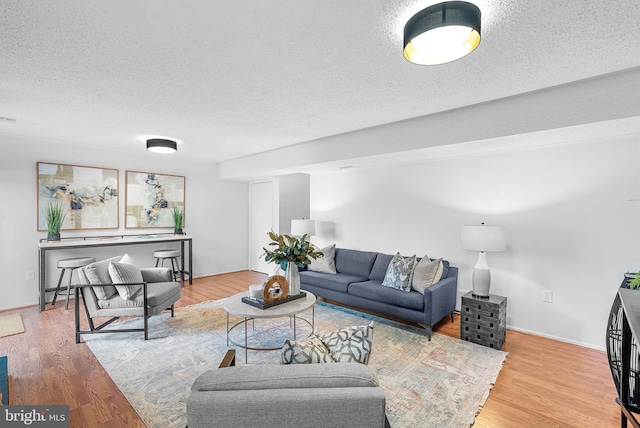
(358,283)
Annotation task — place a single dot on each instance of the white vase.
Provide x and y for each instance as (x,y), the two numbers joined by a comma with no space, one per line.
(293,278)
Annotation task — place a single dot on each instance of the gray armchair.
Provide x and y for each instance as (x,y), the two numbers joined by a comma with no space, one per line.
(159,292)
(287,396)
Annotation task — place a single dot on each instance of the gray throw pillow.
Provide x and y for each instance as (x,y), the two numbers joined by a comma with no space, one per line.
(426,273)
(122,273)
(327,263)
(399,272)
(98,273)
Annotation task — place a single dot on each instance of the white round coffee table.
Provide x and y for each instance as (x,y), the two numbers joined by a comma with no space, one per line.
(235,306)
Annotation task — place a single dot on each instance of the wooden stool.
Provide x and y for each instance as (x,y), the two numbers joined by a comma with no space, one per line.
(69,265)
(172,255)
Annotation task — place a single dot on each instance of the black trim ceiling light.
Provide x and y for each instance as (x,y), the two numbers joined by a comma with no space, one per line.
(160,145)
(442,33)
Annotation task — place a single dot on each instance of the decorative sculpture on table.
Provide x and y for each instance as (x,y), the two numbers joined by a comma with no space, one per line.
(276,288)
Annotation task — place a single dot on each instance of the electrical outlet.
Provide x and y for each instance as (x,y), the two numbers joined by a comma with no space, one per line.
(31,275)
(547,296)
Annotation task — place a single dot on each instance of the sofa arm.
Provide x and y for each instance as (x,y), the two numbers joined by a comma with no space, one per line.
(287,408)
(440,299)
(156,274)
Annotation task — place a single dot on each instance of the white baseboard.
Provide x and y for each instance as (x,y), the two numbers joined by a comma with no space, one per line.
(220,273)
(535,333)
(559,339)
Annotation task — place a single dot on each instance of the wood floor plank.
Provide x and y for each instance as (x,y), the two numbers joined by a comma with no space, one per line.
(544,383)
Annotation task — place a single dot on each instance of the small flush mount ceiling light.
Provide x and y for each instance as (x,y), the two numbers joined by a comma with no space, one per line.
(160,145)
(442,33)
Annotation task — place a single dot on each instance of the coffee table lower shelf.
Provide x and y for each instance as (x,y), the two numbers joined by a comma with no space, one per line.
(245,321)
(235,306)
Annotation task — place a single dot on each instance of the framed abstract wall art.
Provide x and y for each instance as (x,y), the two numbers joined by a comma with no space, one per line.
(88,195)
(150,198)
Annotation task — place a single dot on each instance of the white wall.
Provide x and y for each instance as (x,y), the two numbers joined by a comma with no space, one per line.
(570,228)
(216,213)
(293,199)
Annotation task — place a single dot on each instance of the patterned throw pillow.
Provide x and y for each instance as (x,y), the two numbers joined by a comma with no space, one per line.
(122,273)
(426,273)
(399,273)
(349,344)
(307,351)
(327,263)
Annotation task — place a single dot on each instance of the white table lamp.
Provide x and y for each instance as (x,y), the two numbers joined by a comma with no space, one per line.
(303,226)
(482,238)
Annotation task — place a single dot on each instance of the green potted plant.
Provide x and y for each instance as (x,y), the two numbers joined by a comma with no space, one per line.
(54,215)
(178,219)
(291,253)
(634,284)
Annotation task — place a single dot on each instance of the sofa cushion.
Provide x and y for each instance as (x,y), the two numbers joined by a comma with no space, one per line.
(98,273)
(349,344)
(379,269)
(326,263)
(157,293)
(374,290)
(426,273)
(307,351)
(339,282)
(354,262)
(400,272)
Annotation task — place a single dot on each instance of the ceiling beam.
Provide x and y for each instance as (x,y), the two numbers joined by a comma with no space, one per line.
(601,99)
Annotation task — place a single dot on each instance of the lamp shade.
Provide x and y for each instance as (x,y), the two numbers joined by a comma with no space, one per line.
(160,145)
(303,226)
(483,238)
(442,33)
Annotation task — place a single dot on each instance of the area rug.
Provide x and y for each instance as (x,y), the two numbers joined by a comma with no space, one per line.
(10,325)
(441,383)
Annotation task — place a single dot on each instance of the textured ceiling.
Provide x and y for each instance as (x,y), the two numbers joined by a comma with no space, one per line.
(232,79)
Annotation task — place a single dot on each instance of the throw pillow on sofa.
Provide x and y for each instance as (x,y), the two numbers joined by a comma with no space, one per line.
(426,273)
(326,263)
(399,273)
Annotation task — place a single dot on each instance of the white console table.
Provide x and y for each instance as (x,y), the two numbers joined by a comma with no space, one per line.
(107,241)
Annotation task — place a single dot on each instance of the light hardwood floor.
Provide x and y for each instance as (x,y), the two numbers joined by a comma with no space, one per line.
(544,383)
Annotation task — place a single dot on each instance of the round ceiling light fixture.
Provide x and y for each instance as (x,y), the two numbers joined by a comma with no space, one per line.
(442,33)
(161,145)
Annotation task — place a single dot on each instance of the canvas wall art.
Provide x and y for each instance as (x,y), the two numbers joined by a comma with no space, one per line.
(150,198)
(89,195)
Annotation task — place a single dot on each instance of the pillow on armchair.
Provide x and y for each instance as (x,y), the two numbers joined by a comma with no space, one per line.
(307,351)
(125,271)
(350,344)
(347,345)
(98,273)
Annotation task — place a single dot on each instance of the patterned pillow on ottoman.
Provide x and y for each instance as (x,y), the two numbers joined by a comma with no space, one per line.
(308,351)
(349,344)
